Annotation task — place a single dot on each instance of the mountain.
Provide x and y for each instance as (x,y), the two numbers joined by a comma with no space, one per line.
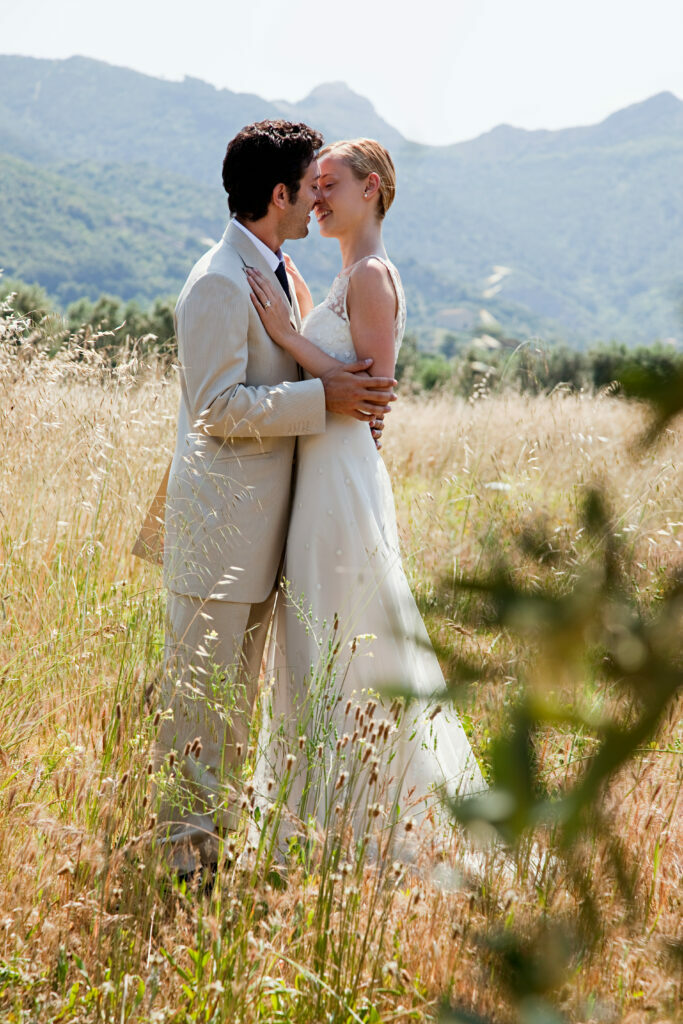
(110,182)
(659,116)
(82,109)
(344,114)
(122,229)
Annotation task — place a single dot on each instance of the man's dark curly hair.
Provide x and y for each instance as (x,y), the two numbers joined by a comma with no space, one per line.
(263,155)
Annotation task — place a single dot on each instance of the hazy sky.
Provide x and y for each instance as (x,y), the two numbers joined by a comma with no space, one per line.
(439,70)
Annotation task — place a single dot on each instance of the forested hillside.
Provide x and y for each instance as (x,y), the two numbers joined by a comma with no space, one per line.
(110,182)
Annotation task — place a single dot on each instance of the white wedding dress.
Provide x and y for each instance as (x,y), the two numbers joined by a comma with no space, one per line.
(335,743)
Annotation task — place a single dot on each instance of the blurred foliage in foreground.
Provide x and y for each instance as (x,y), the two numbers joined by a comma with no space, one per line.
(594,624)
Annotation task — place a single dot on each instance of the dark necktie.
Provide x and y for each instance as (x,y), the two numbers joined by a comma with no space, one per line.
(281,275)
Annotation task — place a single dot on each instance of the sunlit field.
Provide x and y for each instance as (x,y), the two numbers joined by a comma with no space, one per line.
(91,925)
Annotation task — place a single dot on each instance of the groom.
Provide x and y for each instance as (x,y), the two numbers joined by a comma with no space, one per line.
(243,403)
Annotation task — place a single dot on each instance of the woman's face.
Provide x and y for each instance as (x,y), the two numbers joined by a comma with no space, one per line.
(341,204)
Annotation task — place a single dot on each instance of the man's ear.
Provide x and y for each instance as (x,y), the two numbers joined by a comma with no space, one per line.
(280,197)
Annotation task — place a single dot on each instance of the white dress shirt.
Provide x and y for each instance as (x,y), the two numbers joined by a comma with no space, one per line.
(271,258)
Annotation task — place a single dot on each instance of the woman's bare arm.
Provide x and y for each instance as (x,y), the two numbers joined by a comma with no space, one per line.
(303,294)
(372,306)
(274,312)
(372,316)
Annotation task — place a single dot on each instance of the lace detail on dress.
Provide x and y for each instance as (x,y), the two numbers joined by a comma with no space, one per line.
(327,325)
(336,297)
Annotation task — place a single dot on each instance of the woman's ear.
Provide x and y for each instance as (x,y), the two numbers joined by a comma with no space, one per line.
(371,185)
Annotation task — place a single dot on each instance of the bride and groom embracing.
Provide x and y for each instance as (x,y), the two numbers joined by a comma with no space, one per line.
(280,520)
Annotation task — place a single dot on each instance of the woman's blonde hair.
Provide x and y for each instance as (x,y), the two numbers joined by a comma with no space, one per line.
(366,156)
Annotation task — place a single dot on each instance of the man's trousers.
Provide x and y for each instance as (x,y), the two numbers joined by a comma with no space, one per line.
(212,660)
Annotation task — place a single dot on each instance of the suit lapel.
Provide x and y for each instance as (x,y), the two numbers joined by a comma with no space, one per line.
(253,258)
(248,252)
(295,319)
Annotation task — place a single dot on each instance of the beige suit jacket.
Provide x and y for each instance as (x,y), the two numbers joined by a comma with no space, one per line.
(242,406)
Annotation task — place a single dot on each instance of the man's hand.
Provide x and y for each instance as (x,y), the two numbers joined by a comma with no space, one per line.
(376,428)
(349,391)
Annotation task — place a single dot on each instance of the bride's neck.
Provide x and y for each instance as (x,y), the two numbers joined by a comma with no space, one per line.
(361,243)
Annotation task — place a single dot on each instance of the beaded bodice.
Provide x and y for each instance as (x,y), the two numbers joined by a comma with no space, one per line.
(327,325)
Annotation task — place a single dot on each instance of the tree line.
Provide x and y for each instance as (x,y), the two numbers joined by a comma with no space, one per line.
(463,364)
(108,321)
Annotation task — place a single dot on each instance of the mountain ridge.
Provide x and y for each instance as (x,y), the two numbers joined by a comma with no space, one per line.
(589,219)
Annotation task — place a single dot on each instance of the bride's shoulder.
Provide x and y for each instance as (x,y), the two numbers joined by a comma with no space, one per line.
(373,271)
(375,278)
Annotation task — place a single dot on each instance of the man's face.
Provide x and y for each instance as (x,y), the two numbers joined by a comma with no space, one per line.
(298,214)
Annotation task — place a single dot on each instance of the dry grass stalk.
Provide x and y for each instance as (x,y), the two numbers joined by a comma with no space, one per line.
(81,451)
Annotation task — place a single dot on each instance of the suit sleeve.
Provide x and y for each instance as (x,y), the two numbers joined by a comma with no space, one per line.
(212,326)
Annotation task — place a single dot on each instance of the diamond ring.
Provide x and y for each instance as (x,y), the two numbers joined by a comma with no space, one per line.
(267,303)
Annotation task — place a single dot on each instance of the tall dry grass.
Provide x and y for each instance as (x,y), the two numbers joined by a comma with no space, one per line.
(93,931)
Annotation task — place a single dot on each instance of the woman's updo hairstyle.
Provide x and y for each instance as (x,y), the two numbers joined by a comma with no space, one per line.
(366,156)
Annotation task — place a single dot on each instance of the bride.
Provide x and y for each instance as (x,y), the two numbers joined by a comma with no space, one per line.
(347,632)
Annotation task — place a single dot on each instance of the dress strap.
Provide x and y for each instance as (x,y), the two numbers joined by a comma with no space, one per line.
(373,256)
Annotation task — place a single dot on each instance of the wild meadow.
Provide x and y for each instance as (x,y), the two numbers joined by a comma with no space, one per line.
(579,925)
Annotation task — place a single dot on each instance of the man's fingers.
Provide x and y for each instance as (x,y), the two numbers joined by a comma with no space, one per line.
(381,383)
(376,398)
(371,410)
